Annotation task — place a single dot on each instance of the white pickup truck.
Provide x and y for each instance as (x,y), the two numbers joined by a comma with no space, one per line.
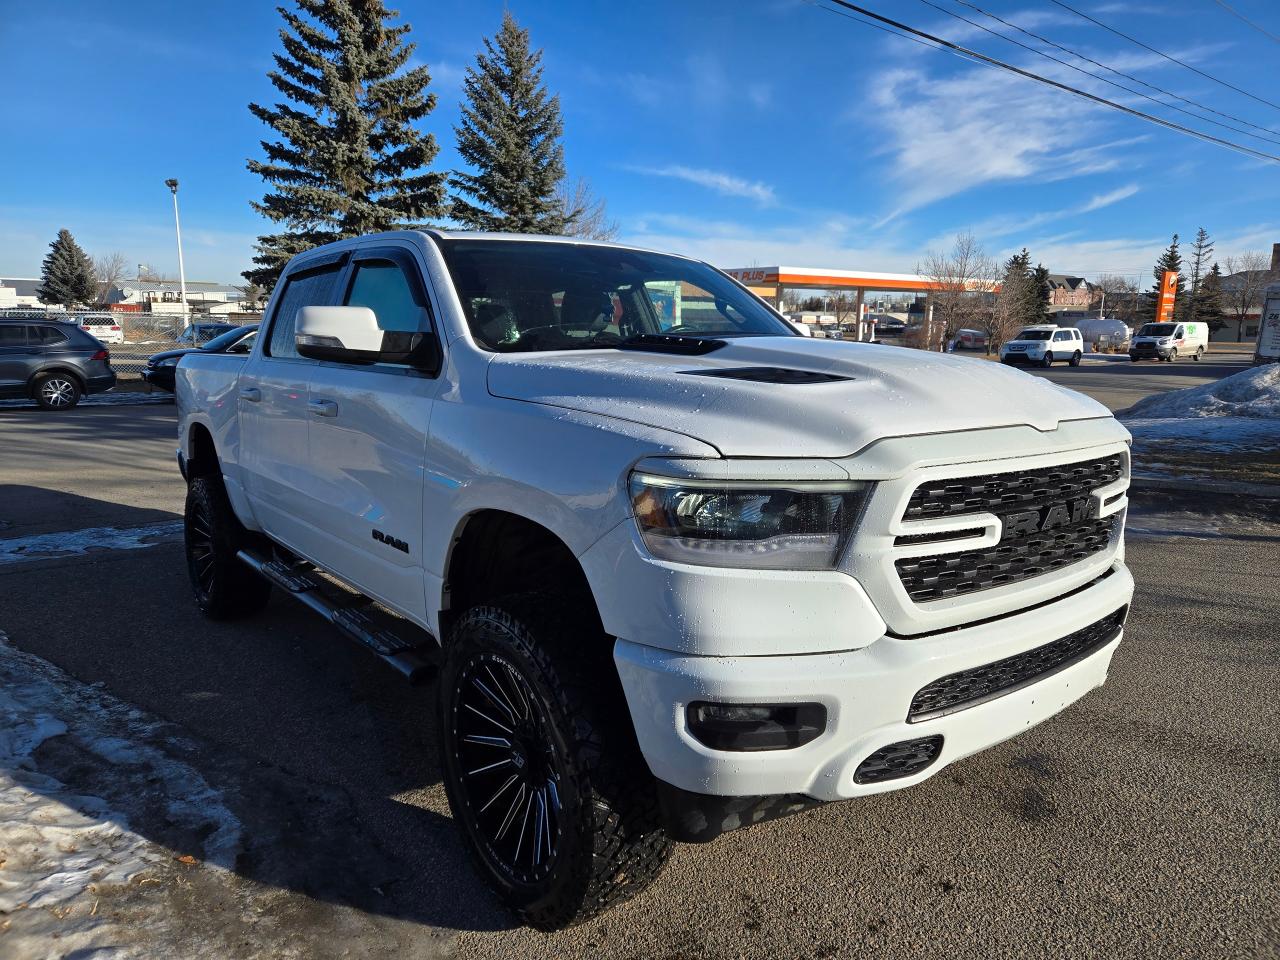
(672,567)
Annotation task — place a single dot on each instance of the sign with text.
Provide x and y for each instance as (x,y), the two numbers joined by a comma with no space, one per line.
(1168,293)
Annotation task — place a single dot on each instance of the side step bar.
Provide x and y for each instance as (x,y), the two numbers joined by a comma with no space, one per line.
(409,658)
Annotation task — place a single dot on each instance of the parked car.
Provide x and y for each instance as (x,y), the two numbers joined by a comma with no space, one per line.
(104,326)
(53,362)
(159,369)
(1044,345)
(971,340)
(1168,341)
(676,579)
(196,334)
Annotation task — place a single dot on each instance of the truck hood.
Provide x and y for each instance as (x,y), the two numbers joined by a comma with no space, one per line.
(862,393)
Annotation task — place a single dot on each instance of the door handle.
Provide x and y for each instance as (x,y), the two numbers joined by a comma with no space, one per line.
(252,394)
(323,408)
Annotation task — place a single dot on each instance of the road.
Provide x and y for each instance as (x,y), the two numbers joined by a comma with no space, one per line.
(1139,822)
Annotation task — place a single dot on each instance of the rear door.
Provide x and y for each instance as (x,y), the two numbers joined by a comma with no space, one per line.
(16,358)
(369,425)
(272,405)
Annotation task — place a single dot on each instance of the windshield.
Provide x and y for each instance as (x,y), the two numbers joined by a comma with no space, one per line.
(224,341)
(1035,335)
(1156,330)
(522,296)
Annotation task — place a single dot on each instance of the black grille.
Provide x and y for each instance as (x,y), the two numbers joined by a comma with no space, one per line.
(958,691)
(899,760)
(1053,497)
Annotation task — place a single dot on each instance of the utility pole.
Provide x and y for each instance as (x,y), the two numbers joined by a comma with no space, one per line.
(172,184)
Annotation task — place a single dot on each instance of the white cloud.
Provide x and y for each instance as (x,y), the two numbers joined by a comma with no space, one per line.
(1107,199)
(725,183)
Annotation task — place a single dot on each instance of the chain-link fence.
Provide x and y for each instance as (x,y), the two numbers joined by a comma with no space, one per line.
(133,338)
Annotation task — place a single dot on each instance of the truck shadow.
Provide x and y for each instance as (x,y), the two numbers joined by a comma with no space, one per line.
(325,756)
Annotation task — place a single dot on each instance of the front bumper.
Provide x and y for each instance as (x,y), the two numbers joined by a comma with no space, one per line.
(1021,357)
(162,378)
(867,694)
(1150,352)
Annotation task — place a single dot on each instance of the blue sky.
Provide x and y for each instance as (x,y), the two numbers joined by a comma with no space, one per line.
(745,132)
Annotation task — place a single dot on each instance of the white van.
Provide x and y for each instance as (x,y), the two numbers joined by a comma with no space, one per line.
(1168,341)
(1044,345)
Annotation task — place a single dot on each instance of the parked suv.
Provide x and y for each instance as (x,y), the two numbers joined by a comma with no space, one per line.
(52,362)
(1044,345)
(680,567)
(103,326)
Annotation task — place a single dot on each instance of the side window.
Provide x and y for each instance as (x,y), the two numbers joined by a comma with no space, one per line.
(382,286)
(310,288)
(13,335)
(48,336)
(1178,334)
(1061,335)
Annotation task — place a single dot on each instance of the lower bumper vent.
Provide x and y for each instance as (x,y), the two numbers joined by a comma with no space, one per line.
(899,760)
(959,691)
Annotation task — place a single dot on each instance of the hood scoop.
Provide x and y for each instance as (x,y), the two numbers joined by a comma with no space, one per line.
(770,375)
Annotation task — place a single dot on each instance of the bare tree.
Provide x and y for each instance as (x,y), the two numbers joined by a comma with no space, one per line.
(963,282)
(586,214)
(1115,295)
(1247,277)
(843,307)
(108,270)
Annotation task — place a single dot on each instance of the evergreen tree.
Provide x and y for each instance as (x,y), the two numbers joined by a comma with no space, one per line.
(510,137)
(1010,314)
(1201,255)
(67,276)
(1037,303)
(1171,259)
(1207,306)
(350,160)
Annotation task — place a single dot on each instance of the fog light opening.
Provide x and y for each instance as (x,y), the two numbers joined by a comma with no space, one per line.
(755,726)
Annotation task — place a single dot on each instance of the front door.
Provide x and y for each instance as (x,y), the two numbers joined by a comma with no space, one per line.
(369,425)
(272,400)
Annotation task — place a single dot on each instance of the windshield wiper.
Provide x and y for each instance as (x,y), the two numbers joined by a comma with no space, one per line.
(671,343)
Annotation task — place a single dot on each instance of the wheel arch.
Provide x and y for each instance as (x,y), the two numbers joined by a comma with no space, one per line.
(62,368)
(495,553)
(202,452)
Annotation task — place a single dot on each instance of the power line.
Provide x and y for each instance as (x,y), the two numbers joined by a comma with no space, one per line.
(1087,73)
(993,62)
(1181,63)
(1120,73)
(1263,30)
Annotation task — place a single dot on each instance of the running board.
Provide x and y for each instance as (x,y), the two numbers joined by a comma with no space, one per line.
(407,657)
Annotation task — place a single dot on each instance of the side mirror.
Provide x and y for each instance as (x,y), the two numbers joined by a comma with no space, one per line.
(352,335)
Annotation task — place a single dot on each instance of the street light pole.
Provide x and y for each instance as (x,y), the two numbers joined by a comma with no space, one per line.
(172,184)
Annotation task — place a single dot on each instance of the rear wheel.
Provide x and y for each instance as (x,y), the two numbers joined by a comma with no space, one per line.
(541,764)
(1048,360)
(1199,354)
(57,391)
(1075,359)
(224,587)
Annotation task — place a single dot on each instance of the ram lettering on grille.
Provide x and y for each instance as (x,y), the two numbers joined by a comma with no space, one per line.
(1049,520)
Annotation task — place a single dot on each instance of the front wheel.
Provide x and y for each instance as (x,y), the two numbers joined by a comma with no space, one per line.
(1173,355)
(541,764)
(1047,361)
(1075,359)
(225,588)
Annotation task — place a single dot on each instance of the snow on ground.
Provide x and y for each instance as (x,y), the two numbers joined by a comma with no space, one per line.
(73,876)
(73,542)
(1250,393)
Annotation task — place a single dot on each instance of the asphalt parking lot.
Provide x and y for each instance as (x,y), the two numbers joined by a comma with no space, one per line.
(1140,822)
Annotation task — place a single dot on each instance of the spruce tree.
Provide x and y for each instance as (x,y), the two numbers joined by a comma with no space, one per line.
(1010,313)
(1171,259)
(1037,308)
(67,276)
(510,137)
(1207,304)
(1201,255)
(350,160)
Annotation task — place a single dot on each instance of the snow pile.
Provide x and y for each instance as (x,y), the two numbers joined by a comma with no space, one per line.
(1250,393)
(67,859)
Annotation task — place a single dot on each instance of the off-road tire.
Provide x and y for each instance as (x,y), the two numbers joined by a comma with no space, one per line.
(609,843)
(1047,360)
(57,391)
(1075,359)
(224,587)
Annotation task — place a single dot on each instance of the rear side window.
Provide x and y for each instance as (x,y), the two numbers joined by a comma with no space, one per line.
(310,288)
(48,335)
(13,335)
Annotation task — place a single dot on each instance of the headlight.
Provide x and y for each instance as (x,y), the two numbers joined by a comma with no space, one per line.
(750,524)
(169,362)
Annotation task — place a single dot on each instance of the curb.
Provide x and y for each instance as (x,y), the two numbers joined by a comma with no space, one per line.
(1235,488)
